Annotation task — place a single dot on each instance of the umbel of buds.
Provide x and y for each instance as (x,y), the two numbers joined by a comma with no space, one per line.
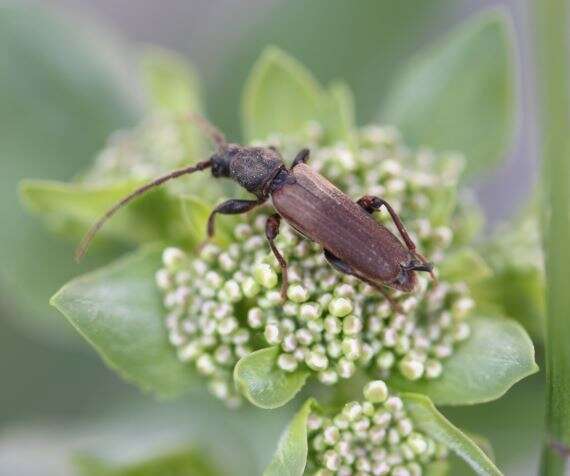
(373,437)
(220,299)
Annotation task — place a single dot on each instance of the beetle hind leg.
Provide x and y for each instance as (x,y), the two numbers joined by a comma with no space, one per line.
(371,203)
(345,268)
(271,231)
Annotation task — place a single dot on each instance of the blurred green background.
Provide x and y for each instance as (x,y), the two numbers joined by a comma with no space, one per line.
(68,77)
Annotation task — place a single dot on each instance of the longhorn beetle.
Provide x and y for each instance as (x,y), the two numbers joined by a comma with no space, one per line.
(353,242)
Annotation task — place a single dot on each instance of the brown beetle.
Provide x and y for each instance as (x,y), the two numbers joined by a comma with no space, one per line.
(353,242)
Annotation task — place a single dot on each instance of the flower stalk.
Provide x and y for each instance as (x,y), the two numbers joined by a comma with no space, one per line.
(554,84)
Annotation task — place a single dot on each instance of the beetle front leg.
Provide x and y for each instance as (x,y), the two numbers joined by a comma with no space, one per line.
(230,207)
(271,232)
(301,157)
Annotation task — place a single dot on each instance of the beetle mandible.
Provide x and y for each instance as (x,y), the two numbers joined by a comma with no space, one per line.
(352,241)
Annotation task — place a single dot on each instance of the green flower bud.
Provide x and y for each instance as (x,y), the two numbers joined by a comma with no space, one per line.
(376,391)
(264,275)
(340,307)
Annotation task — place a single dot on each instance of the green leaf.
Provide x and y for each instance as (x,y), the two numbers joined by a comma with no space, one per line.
(290,458)
(437,468)
(280,96)
(71,209)
(464,264)
(497,355)
(174,87)
(339,114)
(460,94)
(119,311)
(434,424)
(184,462)
(517,292)
(171,81)
(263,383)
(64,87)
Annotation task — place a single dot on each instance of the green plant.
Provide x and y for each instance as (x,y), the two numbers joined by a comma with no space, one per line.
(171,316)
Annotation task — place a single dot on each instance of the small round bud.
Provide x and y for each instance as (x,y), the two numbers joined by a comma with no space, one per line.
(255,318)
(173,257)
(418,443)
(331,460)
(205,364)
(273,334)
(385,360)
(345,368)
(297,293)
(405,426)
(163,279)
(317,361)
(264,275)
(376,391)
(340,307)
(328,377)
(287,362)
(227,326)
(433,368)
(351,325)
(351,348)
(352,410)
(230,292)
(289,343)
(250,287)
(309,311)
(411,369)
(331,435)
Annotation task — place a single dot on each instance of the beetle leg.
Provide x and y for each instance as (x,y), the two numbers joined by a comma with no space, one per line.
(301,157)
(371,203)
(271,232)
(230,207)
(344,268)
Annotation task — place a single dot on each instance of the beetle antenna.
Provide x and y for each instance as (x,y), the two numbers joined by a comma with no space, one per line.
(427,266)
(82,248)
(209,129)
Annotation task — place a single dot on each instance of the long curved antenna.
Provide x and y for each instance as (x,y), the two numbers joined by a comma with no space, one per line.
(82,248)
(209,129)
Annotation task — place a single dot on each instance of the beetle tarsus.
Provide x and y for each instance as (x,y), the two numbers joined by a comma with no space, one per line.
(271,231)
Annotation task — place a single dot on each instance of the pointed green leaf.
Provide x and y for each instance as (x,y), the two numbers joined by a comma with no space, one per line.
(434,424)
(460,94)
(118,310)
(171,81)
(184,462)
(71,208)
(338,114)
(280,96)
(263,383)
(464,264)
(64,87)
(290,458)
(173,87)
(497,355)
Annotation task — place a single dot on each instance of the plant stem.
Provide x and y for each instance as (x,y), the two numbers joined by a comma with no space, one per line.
(554,85)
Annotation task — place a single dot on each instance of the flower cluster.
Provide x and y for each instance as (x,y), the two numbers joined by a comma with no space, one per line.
(373,437)
(201,319)
(330,323)
(153,147)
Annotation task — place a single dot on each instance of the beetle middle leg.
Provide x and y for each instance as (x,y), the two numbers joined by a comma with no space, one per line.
(345,268)
(271,232)
(301,157)
(230,207)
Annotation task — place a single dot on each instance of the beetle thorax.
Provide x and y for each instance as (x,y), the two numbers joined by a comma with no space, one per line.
(254,167)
